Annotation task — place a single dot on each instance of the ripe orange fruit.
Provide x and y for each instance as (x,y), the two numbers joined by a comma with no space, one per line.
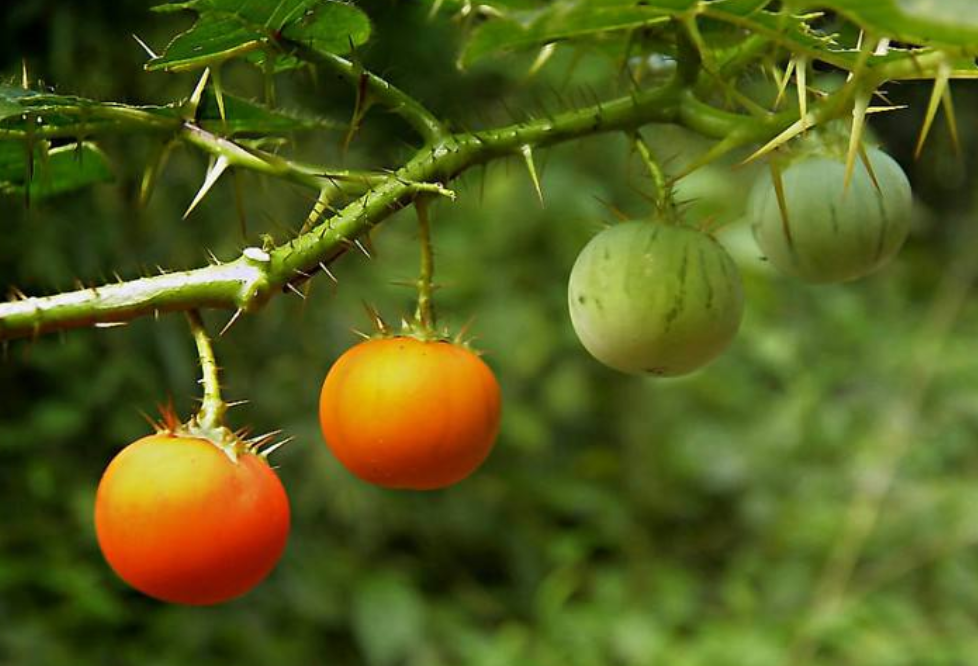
(401,412)
(181,521)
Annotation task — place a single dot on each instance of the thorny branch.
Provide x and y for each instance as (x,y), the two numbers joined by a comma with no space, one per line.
(247,282)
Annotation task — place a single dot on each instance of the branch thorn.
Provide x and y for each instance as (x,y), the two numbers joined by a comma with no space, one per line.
(527,152)
(213,173)
(328,272)
(234,318)
(152,54)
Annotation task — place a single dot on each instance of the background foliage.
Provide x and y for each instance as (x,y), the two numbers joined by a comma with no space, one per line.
(619,521)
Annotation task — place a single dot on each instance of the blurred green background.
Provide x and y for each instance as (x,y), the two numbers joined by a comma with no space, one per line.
(810,497)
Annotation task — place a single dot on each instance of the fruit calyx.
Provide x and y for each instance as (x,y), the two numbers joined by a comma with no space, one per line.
(416,328)
(232,443)
(830,141)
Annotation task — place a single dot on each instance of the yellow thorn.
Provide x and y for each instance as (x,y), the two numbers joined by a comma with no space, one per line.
(951,118)
(219,96)
(25,82)
(716,151)
(787,135)
(885,109)
(936,95)
(527,152)
(190,108)
(213,173)
(864,158)
(783,82)
(542,57)
(801,74)
(782,201)
(379,324)
(859,107)
(152,172)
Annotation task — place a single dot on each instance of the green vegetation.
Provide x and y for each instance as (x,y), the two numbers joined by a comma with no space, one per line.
(806,499)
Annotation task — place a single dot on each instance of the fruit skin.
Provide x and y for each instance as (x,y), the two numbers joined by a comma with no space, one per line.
(406,413)
(833,235)
(651,297)
(180,521)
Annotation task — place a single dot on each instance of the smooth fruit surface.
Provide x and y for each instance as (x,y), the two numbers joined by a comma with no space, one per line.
(831,234)
(405,413)
(650,297)
(178,520)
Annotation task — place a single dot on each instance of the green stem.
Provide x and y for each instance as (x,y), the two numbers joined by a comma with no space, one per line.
(662,192)
(425,314)
(310,175)
(213,407)
(399,102)
(249,281)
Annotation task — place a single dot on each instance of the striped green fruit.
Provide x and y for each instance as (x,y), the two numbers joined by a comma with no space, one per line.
(829,233)
(651,297)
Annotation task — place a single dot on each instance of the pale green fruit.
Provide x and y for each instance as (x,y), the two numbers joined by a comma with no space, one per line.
(831,234)
(650,297)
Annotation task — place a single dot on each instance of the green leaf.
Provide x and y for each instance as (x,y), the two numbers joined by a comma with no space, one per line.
(212,39)
(229,28)
(509,27)
(926,22)
(62,169)
(330,27)
(564,20)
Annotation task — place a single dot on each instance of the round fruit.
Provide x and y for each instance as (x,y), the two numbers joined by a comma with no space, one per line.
(654,297)
(181,521)
(406,413)
(828,233)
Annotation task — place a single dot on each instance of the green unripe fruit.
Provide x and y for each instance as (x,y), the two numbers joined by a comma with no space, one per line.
(653,297)
(829,233)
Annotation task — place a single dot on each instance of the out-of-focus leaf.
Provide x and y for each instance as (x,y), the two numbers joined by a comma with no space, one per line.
(330,27)
(513,29)
(228,28)
(938,22)
(510,28)
(387,619)
(62,169)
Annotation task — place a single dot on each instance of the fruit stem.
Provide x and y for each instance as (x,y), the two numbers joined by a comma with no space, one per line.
(662,193)
(425,314)
(212,408)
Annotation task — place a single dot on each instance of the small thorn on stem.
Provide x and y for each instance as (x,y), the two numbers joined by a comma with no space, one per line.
(234,318)
(149,51)
(362,248)
(527,151)
(275,447)
(328,272)
(291,287)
